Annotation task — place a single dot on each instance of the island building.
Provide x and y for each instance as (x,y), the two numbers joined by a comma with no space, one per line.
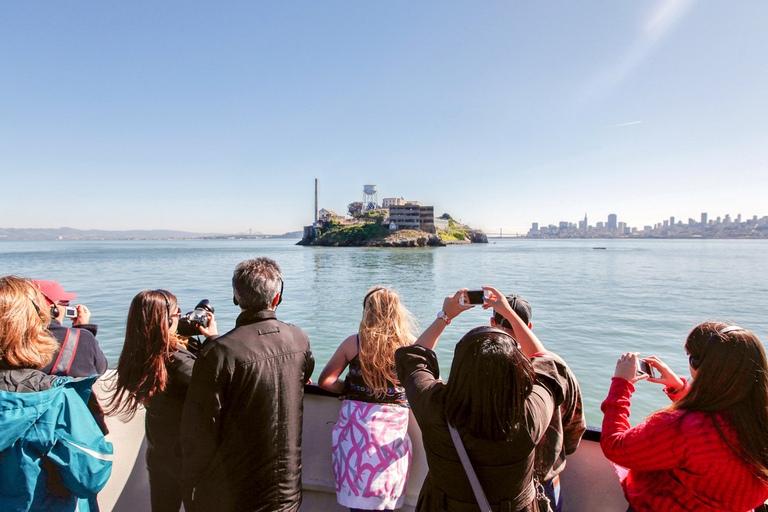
(328,215)
(412,215)
(397,212)
(393,201)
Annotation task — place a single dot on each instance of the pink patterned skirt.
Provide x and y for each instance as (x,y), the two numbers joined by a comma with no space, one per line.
(371,455)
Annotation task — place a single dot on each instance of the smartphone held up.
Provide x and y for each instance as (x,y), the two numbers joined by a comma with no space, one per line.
(645,368)
(472,297)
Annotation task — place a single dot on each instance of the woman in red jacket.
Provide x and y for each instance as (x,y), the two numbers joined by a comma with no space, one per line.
(708,451)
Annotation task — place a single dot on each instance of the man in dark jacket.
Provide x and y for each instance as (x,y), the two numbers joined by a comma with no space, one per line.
(242,420)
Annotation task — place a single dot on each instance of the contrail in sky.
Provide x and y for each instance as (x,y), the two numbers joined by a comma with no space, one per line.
(627,124)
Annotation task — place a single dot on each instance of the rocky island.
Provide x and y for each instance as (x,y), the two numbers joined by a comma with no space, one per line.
(393,223)
(373,231)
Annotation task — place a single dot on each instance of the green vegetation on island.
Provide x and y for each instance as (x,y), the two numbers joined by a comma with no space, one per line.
(371,231)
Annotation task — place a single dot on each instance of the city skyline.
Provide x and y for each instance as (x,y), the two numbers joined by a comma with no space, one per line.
(670,226)
(218,117)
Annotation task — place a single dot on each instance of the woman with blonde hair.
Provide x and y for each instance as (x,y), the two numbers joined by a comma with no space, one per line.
(154,371)
(375,410)
(53,455)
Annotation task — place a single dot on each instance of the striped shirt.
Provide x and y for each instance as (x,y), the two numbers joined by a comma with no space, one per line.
(677,460)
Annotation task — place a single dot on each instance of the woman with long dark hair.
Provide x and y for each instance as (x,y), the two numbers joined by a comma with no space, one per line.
(707,451)
(53,456)
(500,397)
(371,448)
(154,371)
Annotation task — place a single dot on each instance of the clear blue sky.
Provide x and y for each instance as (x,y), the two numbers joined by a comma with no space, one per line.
(217,116)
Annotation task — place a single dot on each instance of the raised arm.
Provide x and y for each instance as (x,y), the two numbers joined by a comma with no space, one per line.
(529,343)
(329,377)
(451,309)
(653,444)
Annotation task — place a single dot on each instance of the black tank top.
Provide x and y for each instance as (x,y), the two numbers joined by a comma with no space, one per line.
(355,387)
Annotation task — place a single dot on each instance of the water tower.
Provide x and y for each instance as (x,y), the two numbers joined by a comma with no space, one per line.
(370,197)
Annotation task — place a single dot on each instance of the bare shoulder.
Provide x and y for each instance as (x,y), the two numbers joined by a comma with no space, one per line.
(349,347)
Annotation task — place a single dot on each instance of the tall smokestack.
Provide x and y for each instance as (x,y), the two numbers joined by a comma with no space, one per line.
(315,200)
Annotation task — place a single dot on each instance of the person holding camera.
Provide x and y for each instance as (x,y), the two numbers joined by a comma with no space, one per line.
(568,422)
(52,454)
(154,371)
(79,354)
(496,406)
(708,451)
(372,431)
(242,423)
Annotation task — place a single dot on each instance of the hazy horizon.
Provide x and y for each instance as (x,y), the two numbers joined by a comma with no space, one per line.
(211,117)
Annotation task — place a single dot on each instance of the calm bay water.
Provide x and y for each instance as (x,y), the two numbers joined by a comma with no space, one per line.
(589,305)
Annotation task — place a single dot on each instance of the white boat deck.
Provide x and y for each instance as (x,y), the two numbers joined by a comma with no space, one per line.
(589,482)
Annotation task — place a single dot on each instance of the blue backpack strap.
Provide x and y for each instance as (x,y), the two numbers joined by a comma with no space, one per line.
(66,353)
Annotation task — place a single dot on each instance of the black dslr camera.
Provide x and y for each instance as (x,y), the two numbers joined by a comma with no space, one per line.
(189,323)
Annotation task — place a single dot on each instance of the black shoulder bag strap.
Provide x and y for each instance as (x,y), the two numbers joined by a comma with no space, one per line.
(476,487)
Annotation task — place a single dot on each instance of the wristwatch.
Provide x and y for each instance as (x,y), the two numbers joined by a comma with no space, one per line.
(441,315)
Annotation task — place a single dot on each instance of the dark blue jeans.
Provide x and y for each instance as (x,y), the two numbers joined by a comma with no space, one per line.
(552,489)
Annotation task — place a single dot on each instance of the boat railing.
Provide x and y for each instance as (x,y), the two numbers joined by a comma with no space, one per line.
(589,481)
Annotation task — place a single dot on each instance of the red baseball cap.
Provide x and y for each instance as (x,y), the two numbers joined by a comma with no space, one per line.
(53,291)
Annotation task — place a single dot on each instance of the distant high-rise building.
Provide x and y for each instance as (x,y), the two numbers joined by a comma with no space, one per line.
(535,227)
(671,221)
(612,225)
(703,219)
(622,227)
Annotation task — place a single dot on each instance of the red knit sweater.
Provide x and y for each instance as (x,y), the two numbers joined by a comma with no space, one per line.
(677,461)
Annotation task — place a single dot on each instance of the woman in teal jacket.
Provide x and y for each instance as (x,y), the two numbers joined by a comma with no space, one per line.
(53,455)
